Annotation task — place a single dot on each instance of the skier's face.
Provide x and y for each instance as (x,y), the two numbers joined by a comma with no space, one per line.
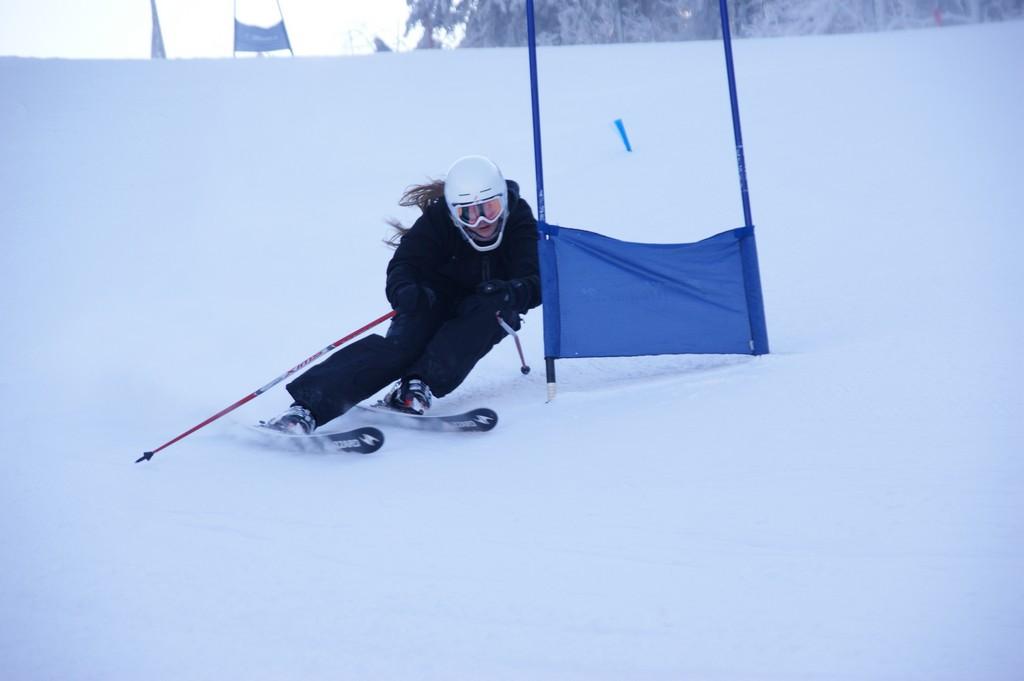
(474,215)
(481,220)
(485,231)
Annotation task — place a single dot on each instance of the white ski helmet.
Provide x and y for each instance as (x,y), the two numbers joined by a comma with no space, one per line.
(477,199)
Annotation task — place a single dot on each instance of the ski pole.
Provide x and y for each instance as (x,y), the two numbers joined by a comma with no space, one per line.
(146,456)
(515,336)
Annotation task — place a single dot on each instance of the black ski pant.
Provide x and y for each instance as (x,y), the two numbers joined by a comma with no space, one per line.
(431,343)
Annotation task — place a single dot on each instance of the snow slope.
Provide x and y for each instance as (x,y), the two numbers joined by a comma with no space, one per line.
(175,234)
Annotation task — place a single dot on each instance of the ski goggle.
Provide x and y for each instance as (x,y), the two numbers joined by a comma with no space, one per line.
(472,214)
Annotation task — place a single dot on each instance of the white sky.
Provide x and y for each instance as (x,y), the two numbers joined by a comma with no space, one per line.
(121,29)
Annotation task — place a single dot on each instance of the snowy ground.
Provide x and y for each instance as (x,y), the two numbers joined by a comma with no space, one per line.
(175,234)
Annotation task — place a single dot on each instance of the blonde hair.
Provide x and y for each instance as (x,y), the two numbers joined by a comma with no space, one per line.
(419,195)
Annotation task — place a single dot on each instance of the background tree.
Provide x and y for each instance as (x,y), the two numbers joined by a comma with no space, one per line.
(502,23)
(439,18)
(803,17)
(572,22)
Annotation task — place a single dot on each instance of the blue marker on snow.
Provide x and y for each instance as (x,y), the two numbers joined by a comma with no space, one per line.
(622,131)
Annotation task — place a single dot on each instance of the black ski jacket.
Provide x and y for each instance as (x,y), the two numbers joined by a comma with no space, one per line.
(434,254)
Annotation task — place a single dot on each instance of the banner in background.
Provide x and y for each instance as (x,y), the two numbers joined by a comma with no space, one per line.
(258,39)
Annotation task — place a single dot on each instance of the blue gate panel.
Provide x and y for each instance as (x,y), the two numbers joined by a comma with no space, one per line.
(608,298)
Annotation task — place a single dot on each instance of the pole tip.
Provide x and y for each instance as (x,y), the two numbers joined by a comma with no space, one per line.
(525,369)
(146,456)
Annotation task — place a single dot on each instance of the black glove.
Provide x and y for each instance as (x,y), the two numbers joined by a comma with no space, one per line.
(513,293)
(409,296)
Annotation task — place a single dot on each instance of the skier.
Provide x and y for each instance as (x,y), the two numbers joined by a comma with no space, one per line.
(470,256)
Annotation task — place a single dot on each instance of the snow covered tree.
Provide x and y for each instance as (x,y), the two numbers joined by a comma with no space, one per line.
(586,22)
(970,11)
(502,23)
(572,22)
(438,18)
(802,17)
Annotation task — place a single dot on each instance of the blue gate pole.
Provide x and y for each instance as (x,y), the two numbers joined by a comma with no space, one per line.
(737,132)
(531,33)
(748,244)
(550,303)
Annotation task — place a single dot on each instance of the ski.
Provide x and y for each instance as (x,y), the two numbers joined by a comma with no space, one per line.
(472,421)
(365,440)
